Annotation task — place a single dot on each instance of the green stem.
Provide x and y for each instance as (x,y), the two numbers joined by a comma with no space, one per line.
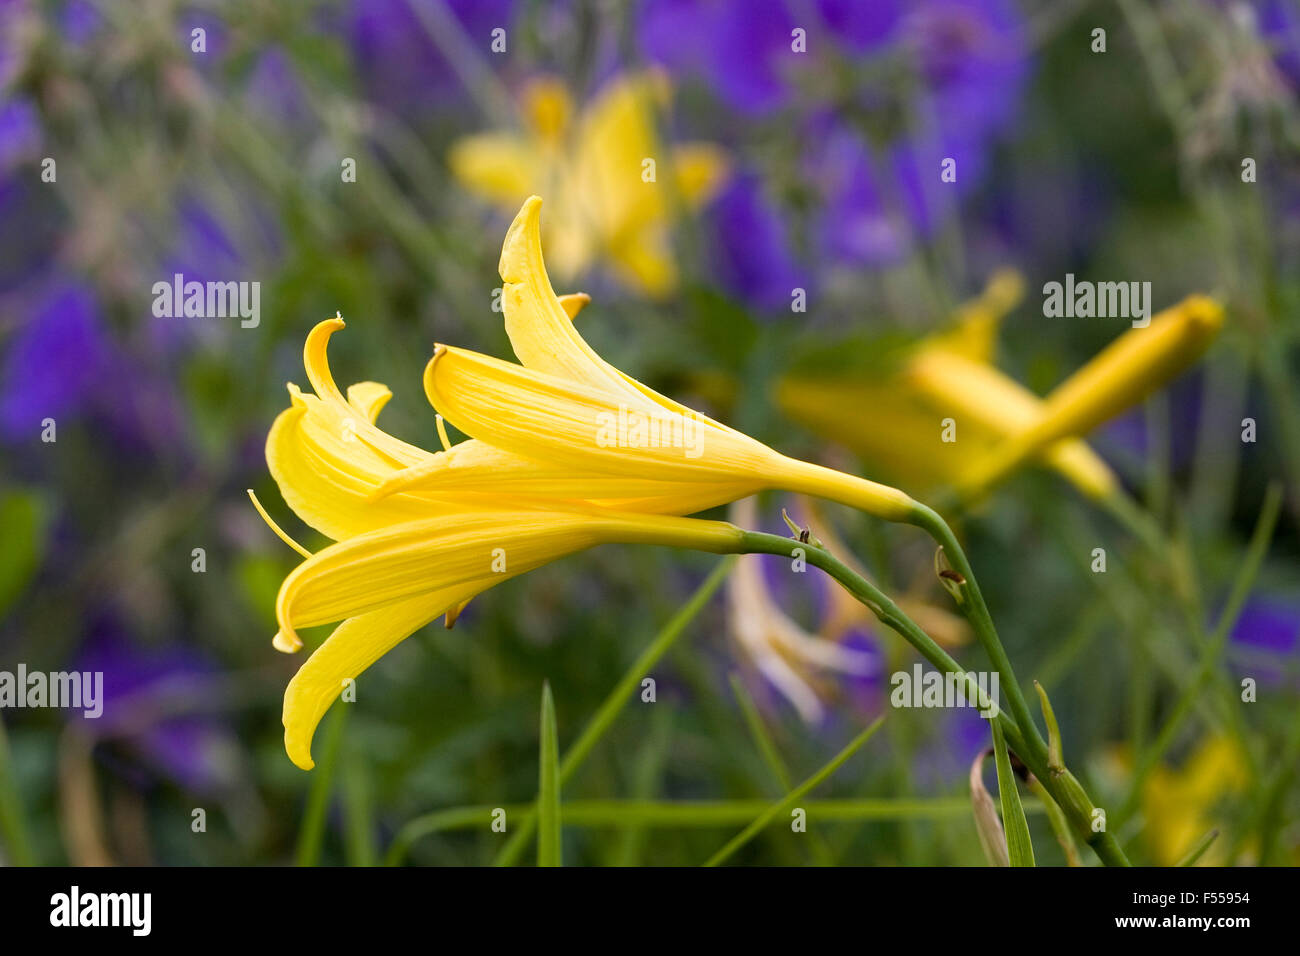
(1063,787)
(977,613)
(12,825)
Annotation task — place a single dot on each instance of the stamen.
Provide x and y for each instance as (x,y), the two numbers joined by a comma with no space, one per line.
(276,528)
(442,433)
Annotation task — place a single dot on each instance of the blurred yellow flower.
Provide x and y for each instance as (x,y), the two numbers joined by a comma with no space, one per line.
(998,425)
(1179,805)
(896,423)
(1123,374)
(615,187)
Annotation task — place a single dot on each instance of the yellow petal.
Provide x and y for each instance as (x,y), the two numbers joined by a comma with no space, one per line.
(899,438)
(644,260)
(540,330)
(318,373)
(564,421)
(700,169)
(573,303)
(1122,375)
(355,644)
(369,398)
(328,478)
(500,167)
(616,133)
(547,108)
(975,330)
(471,550)
(551,419)
(975,393)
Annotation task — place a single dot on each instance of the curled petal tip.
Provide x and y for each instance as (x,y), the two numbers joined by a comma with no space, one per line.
(299,750)
(285,643)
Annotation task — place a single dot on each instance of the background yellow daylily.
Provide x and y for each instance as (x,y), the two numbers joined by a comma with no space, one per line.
(614,186)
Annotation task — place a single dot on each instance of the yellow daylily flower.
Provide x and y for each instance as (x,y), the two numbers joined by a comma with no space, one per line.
(593,166)
(949,375)
(568,407)
(1123,374)
(419,534)
(1179,804)
(1000,424)
(783,651)
(406,556)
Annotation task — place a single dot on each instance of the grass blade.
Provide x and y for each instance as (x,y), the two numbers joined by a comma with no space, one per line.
(312,834)
(1198,851)
(548,786)
(793,797)
(772,757)
(625,815)
(618,698)
(1020,851)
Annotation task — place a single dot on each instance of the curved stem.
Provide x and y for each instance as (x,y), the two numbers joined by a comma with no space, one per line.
(1064,789)
(977,613)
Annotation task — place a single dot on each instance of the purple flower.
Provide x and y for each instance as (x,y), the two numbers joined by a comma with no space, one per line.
(273,88)
(1269,627)
(943,762)
(951,83)
(856,223)
(397,59)
(147,698)
(1270,624)
(205,248)
(79,21)
(20,133)
(56,362)
(879,199)
(752,251)
(1129,435)
(1278,22)
(745,49)
(63,364)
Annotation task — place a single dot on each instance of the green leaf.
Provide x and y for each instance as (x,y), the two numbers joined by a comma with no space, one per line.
(24,521)
(1020,850)
(548,786)
(628,815)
